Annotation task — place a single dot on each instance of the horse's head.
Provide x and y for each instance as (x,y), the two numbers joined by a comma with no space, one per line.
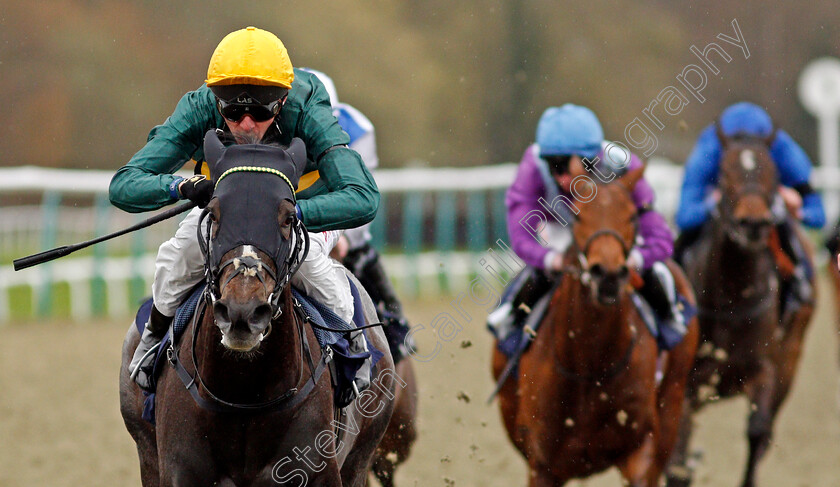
(255,239)
(604,232)
(748,185)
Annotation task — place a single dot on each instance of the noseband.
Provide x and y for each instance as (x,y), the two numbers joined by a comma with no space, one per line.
(582,271)
(251,265)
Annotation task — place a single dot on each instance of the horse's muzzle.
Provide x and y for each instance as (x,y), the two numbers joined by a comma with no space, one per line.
(606,285)
(752,232)
(243,325)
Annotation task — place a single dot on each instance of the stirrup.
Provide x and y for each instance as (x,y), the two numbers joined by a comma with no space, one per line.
(142,361)
(500,321)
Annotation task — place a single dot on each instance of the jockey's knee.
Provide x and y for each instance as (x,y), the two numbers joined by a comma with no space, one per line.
(322,278)
(179,266)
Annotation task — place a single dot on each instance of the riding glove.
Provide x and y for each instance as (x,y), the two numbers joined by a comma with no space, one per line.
(197,189)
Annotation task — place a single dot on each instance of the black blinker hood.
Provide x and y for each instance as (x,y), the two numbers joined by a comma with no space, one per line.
(251,181)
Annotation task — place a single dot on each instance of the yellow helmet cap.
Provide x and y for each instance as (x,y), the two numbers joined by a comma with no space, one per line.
(250,56)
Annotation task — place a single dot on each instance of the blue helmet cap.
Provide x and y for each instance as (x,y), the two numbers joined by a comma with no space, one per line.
(569,130)
(746,118)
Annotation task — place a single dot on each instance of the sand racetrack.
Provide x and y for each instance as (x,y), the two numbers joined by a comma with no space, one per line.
(60,422)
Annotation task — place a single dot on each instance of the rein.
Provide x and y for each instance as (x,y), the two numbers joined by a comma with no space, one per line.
(287,400)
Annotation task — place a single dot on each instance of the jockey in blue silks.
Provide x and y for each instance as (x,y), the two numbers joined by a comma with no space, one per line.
(699,195)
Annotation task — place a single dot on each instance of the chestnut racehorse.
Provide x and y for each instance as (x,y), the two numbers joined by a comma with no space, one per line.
(586,397)
(747,346)
(247,401)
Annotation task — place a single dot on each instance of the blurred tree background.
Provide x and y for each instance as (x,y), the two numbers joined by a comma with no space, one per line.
(446,83)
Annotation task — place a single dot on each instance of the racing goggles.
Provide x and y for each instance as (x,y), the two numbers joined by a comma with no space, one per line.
(234,112)
(558,164)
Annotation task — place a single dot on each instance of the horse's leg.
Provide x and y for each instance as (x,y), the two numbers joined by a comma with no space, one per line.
(402,430)
(541,476)
(131,407)
(761,393)
(640,468)
(384,471)
(789,353)
(673,405)
(679,470)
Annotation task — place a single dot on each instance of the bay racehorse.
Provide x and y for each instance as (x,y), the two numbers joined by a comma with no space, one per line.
(246,401)
(747,345)
(586,397)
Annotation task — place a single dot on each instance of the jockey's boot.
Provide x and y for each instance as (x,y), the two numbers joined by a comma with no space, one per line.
(799,289)
(659,290)
(519,298)
(142,364)
(365,264)
(685,241)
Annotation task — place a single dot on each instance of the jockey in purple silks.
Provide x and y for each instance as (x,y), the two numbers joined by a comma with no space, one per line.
(565,135)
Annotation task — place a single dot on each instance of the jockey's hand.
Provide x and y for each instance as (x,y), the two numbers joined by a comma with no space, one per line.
(635,261)
(555,263)
(564,181)
(197,189)
(792,200)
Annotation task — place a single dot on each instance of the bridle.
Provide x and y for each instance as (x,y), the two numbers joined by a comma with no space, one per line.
(192,381)
(253,265)
(580,269)
(732,226)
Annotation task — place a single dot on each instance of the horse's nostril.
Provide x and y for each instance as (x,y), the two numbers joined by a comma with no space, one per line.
(220,311)
(261,315)
(623,272)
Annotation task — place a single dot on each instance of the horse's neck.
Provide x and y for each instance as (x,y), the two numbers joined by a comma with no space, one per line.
(590,334)
(271,370)
(732,269)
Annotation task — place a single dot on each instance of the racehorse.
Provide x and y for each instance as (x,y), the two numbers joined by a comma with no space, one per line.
(246,401)
(586,397)
(747,346)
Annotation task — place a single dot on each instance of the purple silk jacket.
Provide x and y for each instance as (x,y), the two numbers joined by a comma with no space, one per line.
(522,198)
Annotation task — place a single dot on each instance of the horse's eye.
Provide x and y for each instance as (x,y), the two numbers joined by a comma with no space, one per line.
(289,221)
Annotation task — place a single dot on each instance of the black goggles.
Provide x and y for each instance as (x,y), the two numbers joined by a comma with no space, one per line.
(558,164)
(234,112)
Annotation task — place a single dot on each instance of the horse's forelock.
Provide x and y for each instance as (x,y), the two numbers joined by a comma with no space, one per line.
(748,162)
(611,208)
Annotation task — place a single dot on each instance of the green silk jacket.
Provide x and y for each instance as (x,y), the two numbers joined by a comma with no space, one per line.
(336,191)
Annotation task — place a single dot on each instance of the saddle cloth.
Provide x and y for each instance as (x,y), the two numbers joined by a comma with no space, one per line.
(352,358)
(519,339)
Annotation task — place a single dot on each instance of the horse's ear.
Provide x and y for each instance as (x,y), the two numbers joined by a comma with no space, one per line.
(297,153)
(722,138)
(768,141)
(213,150)
(576,167)
(632,177)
